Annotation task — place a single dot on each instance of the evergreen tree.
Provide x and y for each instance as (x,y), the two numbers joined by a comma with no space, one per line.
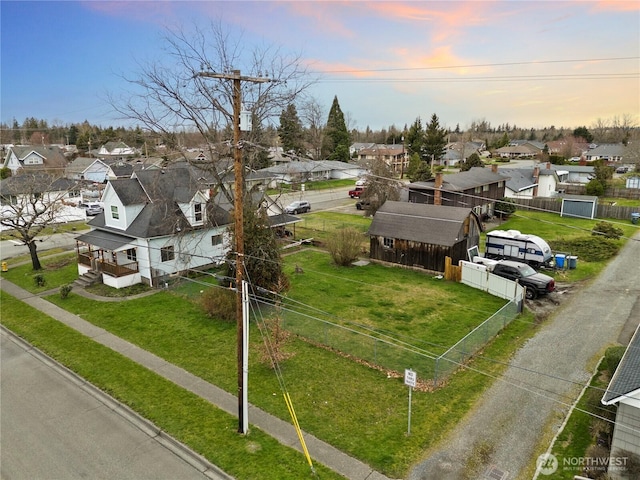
(435,141)
(422,173)
(290,131)
(583,132)
(336,141)
(474,160)
(415,137)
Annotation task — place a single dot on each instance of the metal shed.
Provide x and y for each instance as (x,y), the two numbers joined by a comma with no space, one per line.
(581,206)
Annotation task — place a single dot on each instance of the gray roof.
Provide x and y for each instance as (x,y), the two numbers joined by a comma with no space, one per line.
(52,155)
(520,178)
(626,379)
(608,150)
(459,182)
(160,192)
(419,222)
(34,182)
(80,164)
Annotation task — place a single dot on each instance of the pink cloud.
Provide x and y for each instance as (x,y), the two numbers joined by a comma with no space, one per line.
(615,6)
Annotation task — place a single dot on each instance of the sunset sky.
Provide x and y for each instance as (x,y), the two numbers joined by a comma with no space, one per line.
(528,63)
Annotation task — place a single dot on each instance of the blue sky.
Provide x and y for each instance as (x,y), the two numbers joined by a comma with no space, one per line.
(529,63)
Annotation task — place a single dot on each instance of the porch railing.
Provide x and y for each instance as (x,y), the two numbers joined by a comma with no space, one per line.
(84,259)
(116,270)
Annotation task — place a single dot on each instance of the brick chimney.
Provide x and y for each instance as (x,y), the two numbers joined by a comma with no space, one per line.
(536,178)
(494,168)
(437,197)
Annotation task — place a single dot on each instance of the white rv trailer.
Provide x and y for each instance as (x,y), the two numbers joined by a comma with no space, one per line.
(513,245)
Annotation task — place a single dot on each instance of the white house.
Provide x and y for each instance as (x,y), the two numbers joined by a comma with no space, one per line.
(155,224)
(87,168)
(35,157)
(624,391)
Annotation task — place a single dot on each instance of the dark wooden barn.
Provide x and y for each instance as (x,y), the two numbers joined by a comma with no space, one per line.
(416,234)
(478,188)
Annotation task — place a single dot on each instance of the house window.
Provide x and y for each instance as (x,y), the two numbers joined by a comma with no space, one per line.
(114,212)
(388,242)
(74,193)
(197,211)
(167,253)
(485,188)
(478,190)
(216,240)
(500,184)
(131,254)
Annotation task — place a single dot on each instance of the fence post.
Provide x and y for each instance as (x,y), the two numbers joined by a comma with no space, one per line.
(375,351)
(435,372)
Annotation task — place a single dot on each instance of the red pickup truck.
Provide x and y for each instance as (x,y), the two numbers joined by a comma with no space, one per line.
(356,192)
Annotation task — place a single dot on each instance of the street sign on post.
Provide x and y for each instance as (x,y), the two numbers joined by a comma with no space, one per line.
(410,379)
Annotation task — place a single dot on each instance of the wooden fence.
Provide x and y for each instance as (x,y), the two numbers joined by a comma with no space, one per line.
(555,205)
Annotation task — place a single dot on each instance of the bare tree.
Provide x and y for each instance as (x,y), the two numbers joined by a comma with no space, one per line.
(32,202)
(312,114)
(381,186)
(170,95)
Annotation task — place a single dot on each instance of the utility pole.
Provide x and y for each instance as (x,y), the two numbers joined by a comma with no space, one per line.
(238,170)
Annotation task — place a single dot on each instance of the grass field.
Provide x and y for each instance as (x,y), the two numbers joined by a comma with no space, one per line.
(353,407)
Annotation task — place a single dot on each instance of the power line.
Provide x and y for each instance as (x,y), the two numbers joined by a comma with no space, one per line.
(483,65)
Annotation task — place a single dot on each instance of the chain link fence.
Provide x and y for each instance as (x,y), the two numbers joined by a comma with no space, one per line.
(432,363)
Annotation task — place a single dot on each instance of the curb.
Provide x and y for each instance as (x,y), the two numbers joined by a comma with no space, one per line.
(149,428)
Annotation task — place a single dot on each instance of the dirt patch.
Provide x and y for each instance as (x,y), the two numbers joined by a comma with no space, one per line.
(545,305)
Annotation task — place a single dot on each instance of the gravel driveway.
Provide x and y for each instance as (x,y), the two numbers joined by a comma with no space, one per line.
(531,399)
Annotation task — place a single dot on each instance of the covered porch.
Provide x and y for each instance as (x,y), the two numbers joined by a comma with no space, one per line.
(112,255)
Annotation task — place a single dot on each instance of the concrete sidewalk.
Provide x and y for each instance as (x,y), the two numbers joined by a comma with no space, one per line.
(282,431)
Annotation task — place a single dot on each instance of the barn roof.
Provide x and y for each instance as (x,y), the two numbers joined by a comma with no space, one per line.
(419,222)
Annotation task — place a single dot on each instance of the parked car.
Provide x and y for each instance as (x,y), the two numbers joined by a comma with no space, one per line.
(93,209)
(362,204)
(299,206)
(536,283)
(356,192)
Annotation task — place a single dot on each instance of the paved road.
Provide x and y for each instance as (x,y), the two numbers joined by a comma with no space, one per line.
(52,428)
(544,377)
(14,248)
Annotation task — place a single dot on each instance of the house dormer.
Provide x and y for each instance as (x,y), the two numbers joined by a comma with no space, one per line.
(195,211)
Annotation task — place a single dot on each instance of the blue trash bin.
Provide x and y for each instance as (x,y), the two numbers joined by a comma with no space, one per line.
(560,260)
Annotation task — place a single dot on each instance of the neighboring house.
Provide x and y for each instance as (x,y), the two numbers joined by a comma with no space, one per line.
(155,224)
(120,170)
(356,147)
(518,149)
(539,181)
(573,174)
(53,197)
(612,153)
(38,185)
(31,157)
(477,188)
(395,156)
(522,182)
(624,391)
(116,150)
(90,169)
(422,235)
(305,171)
(457,152)
(568,147)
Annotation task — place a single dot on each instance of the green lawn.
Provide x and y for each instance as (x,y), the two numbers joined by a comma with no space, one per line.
(192,420)
(57,270)
(351,406)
